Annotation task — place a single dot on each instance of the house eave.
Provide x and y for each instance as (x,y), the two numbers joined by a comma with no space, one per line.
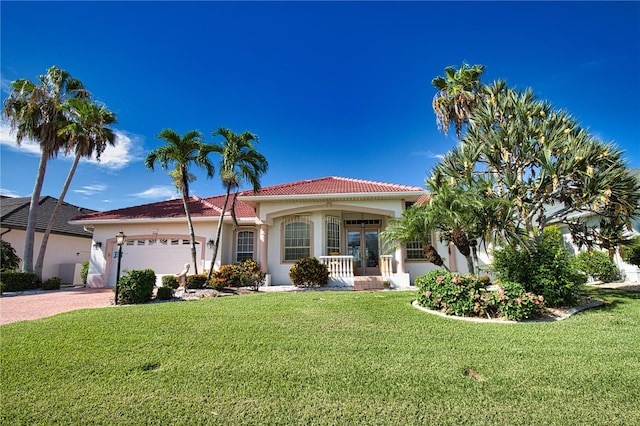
(133,221)
(359,196)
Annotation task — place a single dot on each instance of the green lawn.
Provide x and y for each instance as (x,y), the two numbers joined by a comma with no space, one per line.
(320,358)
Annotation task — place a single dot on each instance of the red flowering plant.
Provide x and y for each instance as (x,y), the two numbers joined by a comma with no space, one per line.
(453,294)
(515,303)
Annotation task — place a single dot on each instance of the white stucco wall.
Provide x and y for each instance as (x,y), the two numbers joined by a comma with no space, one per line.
(103,260)
(61,249)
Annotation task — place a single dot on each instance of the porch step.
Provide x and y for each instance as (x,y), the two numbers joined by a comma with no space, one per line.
(367,283)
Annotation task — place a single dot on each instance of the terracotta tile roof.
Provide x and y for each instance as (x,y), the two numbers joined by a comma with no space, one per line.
(198,207)
(212,206)
(15,212)
(331,185)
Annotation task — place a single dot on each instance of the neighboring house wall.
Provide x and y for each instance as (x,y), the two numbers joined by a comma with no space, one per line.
(61,250)
(628,272)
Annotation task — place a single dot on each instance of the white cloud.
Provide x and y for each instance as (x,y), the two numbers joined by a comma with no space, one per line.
(158,192)
(8,139)
(427,154)
(91,189)
(5,85)
(128,148)
(9,193)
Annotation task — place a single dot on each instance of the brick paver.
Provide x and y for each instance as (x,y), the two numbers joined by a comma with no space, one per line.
(41,304)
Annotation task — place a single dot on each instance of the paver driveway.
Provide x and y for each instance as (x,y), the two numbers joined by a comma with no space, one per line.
(47,303)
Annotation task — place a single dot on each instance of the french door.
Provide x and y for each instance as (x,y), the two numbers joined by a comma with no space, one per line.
(363,246)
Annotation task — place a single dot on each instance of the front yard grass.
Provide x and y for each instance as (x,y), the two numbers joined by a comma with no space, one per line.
(320,358)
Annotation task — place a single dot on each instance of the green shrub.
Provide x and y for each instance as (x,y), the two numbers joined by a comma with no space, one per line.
(632,252)
(246,274)
(52,283)
(544,268)
(18,281)
(252,276)
(515,303)
(136,287)
(9,261)
(453,294)
(309,272)
(228,276)
(164,293)
(170,281)
(196,281)
(84,272)
(598,265)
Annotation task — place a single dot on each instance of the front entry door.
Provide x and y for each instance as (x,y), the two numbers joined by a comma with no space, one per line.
(363,246)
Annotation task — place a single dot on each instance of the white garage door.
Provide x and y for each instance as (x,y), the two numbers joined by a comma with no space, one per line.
(164,256)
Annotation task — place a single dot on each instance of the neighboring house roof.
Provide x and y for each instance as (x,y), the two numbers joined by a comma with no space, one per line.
(15,213)
(212,206)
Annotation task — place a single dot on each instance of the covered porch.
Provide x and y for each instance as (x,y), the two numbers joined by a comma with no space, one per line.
(343,272)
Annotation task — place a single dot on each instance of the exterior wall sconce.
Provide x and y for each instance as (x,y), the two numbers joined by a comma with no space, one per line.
(97,245)
(210,244)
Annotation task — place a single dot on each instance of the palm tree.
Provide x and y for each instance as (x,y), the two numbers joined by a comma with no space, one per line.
(86,132)
(454,212)
(34,112)
(183,151)
(457,96)
(239,163)
(416,225)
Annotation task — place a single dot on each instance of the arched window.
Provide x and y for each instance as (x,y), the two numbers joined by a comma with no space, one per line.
(297,238)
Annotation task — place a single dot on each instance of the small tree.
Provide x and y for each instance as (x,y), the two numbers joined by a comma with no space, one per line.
(632,252)
(10,260)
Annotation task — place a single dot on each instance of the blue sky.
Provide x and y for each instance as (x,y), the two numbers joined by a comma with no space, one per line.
(330,88)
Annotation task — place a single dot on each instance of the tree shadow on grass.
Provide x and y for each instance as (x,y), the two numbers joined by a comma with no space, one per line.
(610,296)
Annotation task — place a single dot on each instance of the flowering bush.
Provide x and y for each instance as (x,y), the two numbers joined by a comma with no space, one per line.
(453,294)
(465,295)
(515,303)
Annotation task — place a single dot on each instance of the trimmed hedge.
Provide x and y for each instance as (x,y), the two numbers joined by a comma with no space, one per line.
(136,287)
(170,281)
(52,283)
(164,293)
(18,281)
(309,272)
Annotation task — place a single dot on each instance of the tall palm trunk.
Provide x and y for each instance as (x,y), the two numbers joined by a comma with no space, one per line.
(432,256)
(54,216)
(29,238)
(219,231)
(192,238)
(474,255)
(460,240)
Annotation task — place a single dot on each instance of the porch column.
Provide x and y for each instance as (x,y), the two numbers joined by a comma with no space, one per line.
(263,247)
(400,255)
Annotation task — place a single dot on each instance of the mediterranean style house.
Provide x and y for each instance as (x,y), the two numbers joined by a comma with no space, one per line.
(336,219)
